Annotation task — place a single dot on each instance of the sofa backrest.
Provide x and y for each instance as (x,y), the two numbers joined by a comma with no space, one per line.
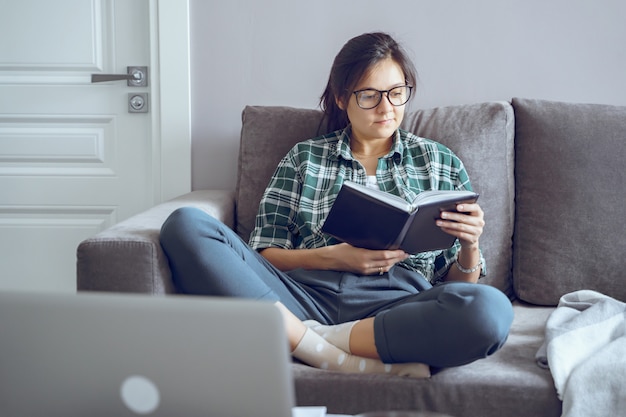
(267,134)
(480,134)
(571,204)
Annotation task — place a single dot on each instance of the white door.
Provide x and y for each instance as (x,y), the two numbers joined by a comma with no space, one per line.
(73,160)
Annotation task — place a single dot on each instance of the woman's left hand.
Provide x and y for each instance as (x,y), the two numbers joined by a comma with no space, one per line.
(466,224)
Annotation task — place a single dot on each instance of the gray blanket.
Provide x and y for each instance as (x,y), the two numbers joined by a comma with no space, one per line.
(585,349)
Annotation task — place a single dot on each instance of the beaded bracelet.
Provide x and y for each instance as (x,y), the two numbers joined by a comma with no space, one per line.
(466,270)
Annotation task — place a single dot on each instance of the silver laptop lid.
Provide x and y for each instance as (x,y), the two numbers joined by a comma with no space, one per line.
(128,355)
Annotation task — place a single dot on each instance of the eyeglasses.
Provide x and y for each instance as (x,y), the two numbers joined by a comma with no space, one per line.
(370,98)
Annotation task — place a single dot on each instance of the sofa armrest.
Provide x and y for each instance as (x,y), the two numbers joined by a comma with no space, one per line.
(128,257)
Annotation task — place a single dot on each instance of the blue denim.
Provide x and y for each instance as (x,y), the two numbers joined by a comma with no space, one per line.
(447,325)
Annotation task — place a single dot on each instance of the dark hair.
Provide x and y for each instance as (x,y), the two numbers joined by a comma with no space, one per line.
(357,57)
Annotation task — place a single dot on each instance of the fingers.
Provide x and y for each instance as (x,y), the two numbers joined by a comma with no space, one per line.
(380,261)
(377,269)
(389,255)
(467,224)
(373,262)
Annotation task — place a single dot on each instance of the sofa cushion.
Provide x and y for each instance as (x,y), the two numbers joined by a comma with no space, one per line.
(508,383)
(570,178)
(481,134)
(267,134)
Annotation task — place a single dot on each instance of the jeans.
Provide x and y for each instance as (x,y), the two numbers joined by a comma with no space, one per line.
(446,325)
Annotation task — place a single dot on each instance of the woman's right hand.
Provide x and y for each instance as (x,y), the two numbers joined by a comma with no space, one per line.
(345,257)
(340,257)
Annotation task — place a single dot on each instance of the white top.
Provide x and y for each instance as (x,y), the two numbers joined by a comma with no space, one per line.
(372,182)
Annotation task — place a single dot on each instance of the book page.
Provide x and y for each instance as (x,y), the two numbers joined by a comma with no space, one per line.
(390,199)
(433,196)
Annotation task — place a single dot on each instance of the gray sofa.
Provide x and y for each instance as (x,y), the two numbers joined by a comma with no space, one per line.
(552,180)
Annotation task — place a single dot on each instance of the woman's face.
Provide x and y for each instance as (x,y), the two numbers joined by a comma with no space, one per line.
(382,121)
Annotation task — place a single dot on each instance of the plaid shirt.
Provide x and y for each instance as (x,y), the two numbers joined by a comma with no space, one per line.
(307,180)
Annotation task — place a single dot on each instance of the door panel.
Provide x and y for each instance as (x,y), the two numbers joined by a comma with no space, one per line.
(73,160)
(53,37)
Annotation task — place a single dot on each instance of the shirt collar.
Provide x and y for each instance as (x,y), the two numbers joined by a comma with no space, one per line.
(343,145)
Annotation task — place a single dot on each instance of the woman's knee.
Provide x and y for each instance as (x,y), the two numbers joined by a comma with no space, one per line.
(184,224)
(483,316)
(487,312)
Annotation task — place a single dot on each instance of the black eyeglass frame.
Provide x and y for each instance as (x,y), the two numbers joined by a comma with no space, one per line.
(380,97)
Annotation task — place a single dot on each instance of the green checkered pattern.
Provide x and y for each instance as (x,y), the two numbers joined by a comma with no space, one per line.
(307,180)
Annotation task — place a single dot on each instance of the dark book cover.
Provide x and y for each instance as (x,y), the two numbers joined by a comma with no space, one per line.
(373,219)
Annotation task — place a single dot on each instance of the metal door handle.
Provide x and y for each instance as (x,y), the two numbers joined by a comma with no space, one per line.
(135,77)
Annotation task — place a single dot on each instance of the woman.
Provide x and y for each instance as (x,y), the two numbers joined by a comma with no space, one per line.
(346,308)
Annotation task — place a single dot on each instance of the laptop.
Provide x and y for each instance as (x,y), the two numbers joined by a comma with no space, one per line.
(102,354)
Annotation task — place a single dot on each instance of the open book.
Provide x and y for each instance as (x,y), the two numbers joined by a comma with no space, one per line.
(374,219)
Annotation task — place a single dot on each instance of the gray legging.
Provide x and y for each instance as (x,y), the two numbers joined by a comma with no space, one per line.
(446,325)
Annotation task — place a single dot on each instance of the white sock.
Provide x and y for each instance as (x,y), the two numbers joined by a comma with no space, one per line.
(314,350)
(338,334)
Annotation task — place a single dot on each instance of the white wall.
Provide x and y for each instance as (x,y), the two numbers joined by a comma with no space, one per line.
(279,52)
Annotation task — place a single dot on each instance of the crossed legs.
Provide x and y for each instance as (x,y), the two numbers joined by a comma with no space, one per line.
(208,258)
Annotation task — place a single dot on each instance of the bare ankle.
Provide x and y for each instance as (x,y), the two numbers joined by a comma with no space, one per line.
(362,342)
